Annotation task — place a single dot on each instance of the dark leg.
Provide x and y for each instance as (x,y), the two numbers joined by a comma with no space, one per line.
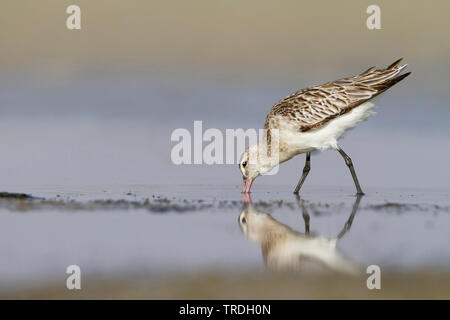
(306,169)
(304,214)
(306,219)
(349,163)
(349,222)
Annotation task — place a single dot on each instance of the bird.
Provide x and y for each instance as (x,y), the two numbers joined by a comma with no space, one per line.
(314,119)
(285,249)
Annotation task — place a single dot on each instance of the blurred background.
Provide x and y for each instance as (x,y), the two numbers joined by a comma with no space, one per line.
(98,105)
(88,115)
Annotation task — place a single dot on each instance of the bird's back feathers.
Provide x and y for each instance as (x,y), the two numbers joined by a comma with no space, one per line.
(313,107)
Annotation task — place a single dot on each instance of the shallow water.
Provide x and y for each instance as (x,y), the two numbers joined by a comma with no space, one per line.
(138,229)
(95,154)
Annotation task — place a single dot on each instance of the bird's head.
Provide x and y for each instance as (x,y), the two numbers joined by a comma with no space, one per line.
(255,162)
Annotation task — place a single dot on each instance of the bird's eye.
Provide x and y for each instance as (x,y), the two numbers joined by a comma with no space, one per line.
(244,164)
(244,221)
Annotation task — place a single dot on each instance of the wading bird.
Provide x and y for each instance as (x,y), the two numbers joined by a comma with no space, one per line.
(314,119)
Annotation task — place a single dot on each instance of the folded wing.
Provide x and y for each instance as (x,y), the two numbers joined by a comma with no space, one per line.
(313,107)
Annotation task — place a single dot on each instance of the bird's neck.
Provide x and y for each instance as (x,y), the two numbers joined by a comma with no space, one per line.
(270,156)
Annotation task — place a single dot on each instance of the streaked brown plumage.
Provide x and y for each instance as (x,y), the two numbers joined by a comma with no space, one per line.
(313,107)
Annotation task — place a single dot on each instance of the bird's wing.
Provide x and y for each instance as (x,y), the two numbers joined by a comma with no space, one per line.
(313,107)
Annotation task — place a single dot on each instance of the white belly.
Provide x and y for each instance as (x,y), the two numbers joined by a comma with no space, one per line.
(325,137)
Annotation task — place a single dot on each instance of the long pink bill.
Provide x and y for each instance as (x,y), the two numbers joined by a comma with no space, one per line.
(247,185)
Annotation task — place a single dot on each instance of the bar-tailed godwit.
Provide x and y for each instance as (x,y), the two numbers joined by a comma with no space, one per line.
(314,119)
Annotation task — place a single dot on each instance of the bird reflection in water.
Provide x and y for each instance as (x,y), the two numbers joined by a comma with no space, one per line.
(284,249)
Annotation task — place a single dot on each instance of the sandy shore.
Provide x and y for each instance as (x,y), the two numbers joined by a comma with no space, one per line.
(216,285)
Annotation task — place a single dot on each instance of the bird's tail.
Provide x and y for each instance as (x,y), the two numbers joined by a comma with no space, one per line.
(391,76)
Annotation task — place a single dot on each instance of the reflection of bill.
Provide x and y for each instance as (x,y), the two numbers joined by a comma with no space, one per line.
(285,249)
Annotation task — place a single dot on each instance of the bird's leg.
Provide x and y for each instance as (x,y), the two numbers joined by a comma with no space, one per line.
(306,169)
(349,222)
(349,163)
(306,219)
(304,214)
